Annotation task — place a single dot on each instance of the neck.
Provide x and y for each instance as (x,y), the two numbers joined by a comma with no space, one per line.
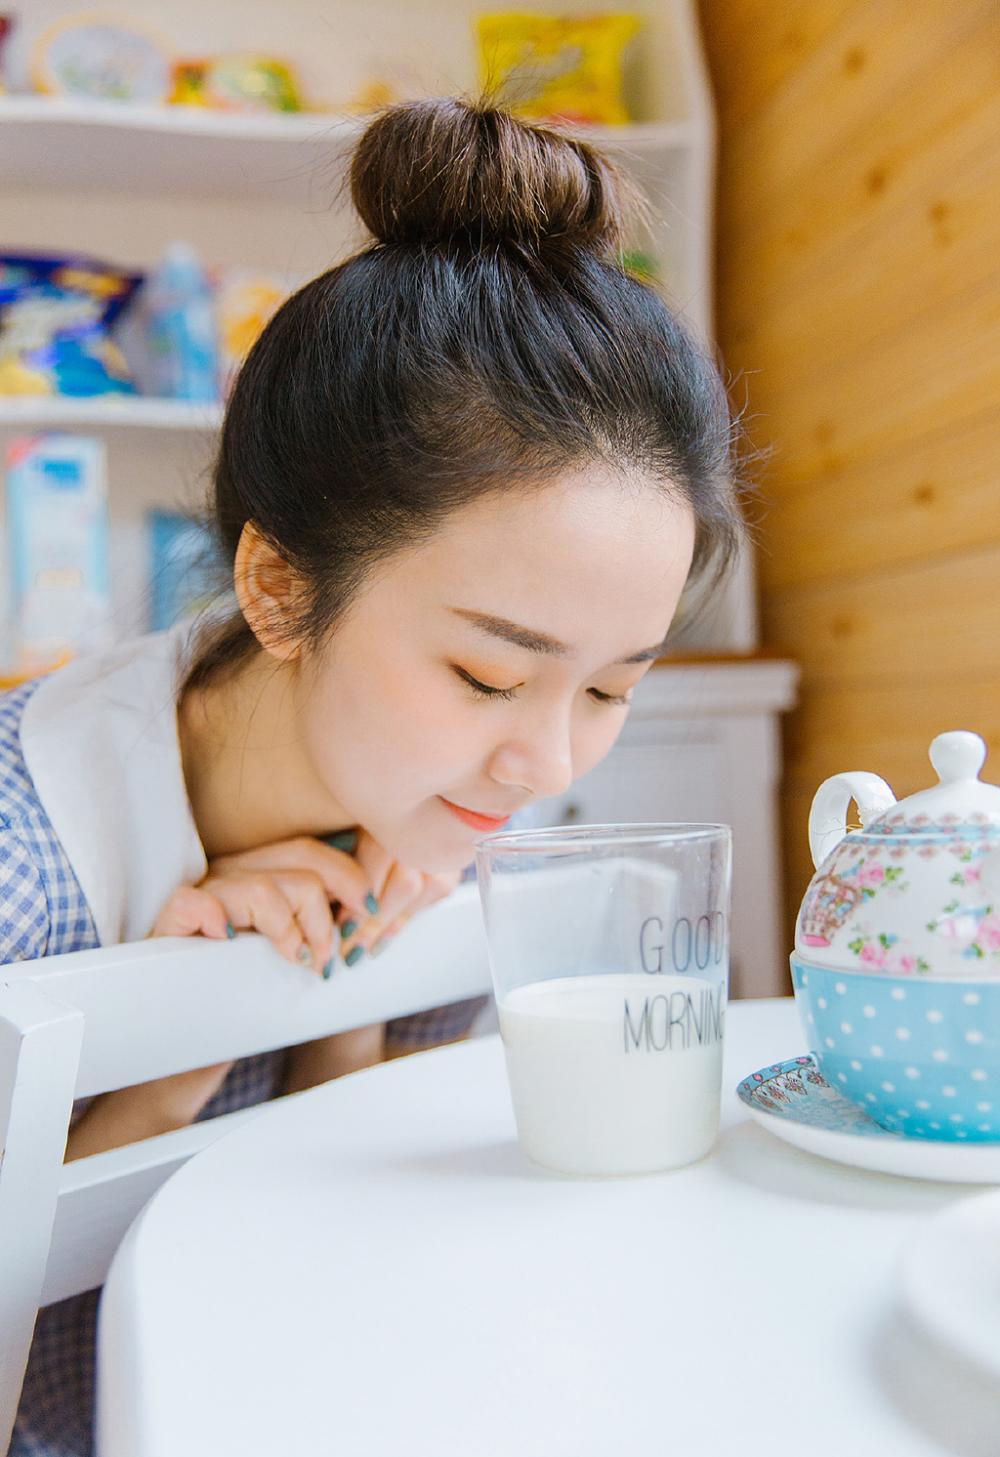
(246,767)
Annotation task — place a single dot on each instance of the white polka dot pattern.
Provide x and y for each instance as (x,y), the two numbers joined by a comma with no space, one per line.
(882,1043)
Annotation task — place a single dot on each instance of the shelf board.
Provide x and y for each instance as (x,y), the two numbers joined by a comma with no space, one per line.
(290,159)
(101,412)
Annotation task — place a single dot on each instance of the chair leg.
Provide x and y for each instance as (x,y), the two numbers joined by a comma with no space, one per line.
(40,1041)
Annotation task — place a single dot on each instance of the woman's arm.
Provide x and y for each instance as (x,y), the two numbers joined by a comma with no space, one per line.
(129,1115)
(331,1057)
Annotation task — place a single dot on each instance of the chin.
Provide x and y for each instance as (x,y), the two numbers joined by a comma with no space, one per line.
(431,854)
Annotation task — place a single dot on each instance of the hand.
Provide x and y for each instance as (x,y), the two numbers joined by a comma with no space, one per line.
(400,891)
(286,891)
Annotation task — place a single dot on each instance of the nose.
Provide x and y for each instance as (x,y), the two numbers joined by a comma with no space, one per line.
(540,762)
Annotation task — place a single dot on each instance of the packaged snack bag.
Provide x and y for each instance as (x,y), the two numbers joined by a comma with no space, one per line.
(55,320)
(236,83)
(557,69)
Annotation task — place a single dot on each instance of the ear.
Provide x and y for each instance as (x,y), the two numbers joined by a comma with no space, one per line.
(269,592)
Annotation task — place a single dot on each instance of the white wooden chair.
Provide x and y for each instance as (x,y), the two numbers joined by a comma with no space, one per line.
(94,1021)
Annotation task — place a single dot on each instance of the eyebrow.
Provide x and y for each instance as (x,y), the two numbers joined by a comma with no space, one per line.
(541,642)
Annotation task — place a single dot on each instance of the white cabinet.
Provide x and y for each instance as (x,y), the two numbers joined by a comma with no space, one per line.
(702,744)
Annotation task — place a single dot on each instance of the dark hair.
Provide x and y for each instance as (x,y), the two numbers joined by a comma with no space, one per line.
(487,339)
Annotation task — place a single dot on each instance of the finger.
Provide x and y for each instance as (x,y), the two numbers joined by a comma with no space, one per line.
(256,902)
(193,911)
(436,888)
(343,878)
(375,861)
(401,890)
(311,907)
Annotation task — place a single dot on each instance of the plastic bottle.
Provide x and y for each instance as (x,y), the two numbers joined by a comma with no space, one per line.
(182,338)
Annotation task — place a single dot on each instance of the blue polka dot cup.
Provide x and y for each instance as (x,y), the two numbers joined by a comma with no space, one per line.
(921,1056)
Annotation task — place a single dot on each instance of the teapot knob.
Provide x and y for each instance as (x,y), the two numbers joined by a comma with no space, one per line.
(958,755)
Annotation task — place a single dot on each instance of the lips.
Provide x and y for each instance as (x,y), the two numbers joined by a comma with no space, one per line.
(475,820)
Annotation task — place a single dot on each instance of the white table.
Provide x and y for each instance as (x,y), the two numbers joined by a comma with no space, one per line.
(372,1268)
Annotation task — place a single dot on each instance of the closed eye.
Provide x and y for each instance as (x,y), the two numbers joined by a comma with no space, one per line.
(483,690)
(487,690)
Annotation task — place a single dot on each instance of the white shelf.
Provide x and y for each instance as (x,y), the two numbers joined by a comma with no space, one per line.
(51,142)
(41,412)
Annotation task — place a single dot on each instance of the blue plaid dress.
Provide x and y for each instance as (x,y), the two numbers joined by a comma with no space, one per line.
(43,912)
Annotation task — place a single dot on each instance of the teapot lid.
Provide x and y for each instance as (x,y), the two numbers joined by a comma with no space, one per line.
(959,796)
(916,890)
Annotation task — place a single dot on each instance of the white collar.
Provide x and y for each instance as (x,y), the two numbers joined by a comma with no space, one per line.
(100,741)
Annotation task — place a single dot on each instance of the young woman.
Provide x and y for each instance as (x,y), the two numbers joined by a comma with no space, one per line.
(463,479)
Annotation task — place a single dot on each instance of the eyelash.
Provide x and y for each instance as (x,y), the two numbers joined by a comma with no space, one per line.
(484,690)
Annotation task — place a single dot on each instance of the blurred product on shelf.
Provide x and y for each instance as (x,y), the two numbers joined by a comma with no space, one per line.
(6,24)
(372,95)
(185,567)
(239,82)
(245,299)
(181,337)
(566,69)
(106,59)
(58,549)
(55,320)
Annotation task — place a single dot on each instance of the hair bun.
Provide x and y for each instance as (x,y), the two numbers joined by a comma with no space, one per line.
(432,171)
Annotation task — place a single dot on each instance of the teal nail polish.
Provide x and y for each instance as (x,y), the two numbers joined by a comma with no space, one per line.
(328,970)
(371,904)
(346,840)
(355,954)
(230,930)
(348,929)
(305,956)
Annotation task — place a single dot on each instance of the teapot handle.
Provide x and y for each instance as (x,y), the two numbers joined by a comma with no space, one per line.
(828,816)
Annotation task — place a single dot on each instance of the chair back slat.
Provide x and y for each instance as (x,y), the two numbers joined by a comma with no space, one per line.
(163,1006)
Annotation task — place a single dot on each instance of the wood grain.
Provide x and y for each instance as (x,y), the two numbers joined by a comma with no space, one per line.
(859,318)
(934,496)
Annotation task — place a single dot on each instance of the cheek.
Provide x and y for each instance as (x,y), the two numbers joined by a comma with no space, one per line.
(595,738)
(389,736)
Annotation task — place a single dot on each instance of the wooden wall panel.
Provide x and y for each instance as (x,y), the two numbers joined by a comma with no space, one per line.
(858,285)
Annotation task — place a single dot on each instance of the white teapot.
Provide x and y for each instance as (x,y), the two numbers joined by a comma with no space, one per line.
(896,968)
(916,890)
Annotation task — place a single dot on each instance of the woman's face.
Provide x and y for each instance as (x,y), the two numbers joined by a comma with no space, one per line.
(554,601)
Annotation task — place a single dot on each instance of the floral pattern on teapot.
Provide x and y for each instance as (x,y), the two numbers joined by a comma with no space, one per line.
(909,893)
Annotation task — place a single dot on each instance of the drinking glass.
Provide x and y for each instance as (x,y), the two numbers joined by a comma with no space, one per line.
(609,953)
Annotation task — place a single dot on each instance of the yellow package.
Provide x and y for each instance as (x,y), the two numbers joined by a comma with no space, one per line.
(551,68)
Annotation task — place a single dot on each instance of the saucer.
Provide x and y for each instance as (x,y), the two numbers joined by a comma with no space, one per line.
(794,1101)
(949,1278)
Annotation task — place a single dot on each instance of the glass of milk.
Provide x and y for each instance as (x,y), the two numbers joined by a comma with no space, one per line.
(609,950)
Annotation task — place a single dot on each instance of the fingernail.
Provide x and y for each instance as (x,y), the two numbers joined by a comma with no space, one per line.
(304,955)
(230,930)
(348,929)
(371,904)
(346,840)
(355,954)
(328,970)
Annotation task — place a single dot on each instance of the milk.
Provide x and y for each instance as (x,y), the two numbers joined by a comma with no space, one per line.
(616,1073)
